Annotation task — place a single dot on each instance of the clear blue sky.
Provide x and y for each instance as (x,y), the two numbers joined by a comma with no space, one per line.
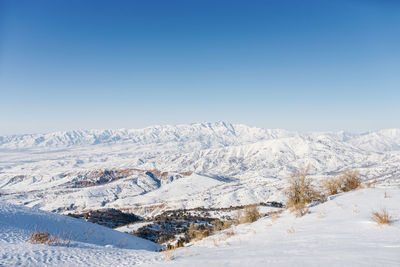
(299,65)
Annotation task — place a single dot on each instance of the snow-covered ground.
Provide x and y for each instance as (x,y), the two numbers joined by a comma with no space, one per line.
(91,244)
(339,232)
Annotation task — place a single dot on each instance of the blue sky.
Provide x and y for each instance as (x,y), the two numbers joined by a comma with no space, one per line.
(299,65)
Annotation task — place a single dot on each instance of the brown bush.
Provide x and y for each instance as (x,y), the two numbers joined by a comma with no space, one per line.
(251,213)
(227,224)
(248,215)
(300,192)
(381,217)
(350,180)
(331,185)
(230,233)
(218,224)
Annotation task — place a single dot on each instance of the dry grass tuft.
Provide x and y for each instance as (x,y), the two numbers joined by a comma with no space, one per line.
(371,184)
(355,209)
(168,255)
(275,215)
(321,214)
(290,230)
(38,237)
(381,217)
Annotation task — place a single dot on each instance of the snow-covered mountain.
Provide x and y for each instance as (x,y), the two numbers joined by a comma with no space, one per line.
(205,135)
(166,167)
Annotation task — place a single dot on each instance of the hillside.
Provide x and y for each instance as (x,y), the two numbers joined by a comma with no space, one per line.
(339,232)
(90,245)
(143,171)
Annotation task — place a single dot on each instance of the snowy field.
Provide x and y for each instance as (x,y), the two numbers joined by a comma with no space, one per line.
(339,232)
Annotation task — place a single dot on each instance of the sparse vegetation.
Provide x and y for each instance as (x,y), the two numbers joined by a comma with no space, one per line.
(349,180)
(290,230)
(300,192)
(175,228)
(168,255)
(38,237)
(381,217)
(331,185)
(248,215)
(275,215)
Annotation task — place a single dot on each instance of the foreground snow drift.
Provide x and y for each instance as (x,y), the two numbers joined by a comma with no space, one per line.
(339,232)
(91,244)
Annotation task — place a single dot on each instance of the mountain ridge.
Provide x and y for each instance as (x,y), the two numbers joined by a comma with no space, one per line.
(209,134)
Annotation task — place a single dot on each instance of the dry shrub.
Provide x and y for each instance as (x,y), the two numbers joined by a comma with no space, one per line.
(331,185)
(371,184)
(300,192)
(230,233)
(251,213)
(381,217)
(248,215)
(227,224)
(218,224)
(38,237)
(191,230)
(350,180)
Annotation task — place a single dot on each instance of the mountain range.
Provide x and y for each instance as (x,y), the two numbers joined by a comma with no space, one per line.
(149,170)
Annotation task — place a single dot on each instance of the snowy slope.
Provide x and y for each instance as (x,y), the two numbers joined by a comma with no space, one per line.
(338,232)
(18,222)
(91,244)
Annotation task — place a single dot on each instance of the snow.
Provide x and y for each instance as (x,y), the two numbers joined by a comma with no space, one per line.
(339,232)
(18,222)
(91,244)
(233,165)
